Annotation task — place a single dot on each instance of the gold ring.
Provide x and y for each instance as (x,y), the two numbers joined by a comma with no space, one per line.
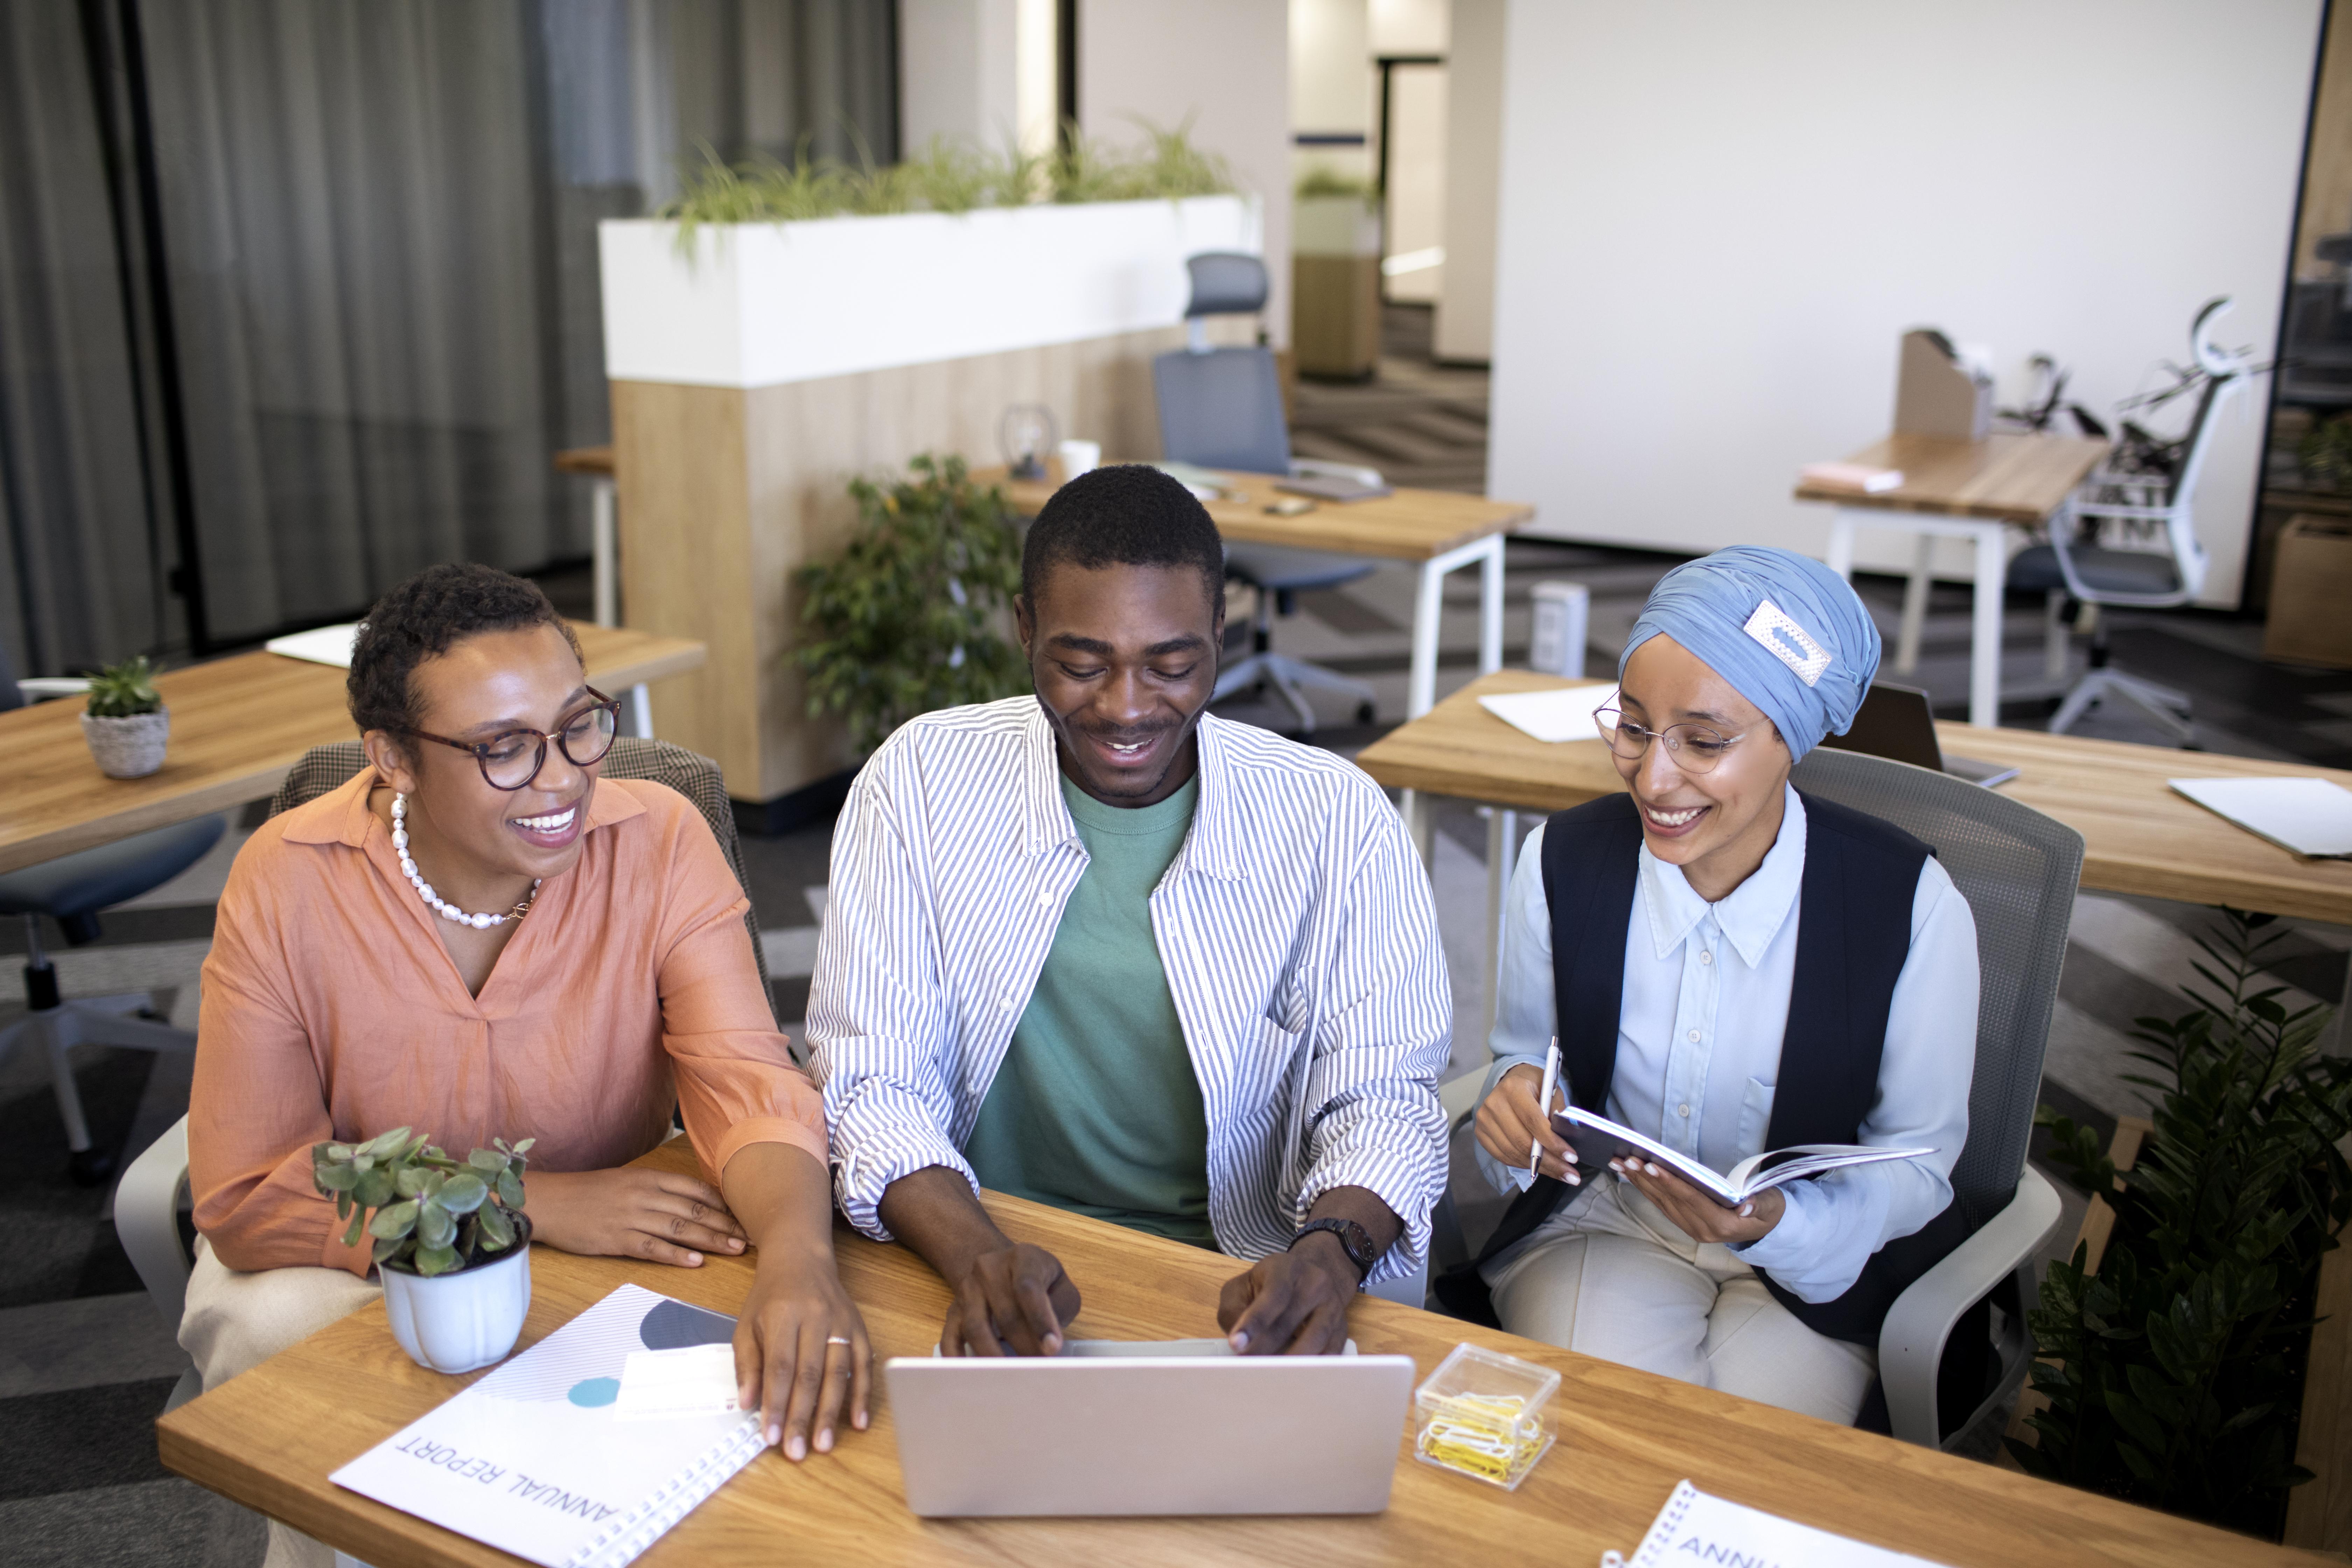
(835,1340)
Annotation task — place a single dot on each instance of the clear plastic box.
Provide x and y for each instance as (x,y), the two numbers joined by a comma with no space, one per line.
(1485,1415)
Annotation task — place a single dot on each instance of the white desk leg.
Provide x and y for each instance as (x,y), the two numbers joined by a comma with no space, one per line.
(605,531)
(1428,609)
(640,712)
(1839,556)
(1490,607)
(1502,838)
(1915,605)
(1984,637)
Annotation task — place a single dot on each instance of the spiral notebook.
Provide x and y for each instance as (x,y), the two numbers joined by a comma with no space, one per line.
(1699,1526)
(535,1458)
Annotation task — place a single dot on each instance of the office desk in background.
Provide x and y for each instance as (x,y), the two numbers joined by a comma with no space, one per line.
(237,724)
(270,1438)
(1975,490)
(1440,531)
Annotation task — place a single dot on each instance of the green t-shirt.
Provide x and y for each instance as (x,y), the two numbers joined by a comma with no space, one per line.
(1097,1109)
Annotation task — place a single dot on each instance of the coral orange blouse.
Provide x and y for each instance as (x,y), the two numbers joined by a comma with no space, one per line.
(332,1011)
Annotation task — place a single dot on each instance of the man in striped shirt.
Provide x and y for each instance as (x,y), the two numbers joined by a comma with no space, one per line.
(1100,949)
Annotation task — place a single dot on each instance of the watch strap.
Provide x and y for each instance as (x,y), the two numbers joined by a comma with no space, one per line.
(1354,1240)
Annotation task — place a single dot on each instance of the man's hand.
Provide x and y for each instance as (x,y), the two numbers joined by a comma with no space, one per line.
(1291,1303)
(1010,1297)
(659,1215)
(1509,1122)
(1697,1215)
(801,1351)
(1013,1294)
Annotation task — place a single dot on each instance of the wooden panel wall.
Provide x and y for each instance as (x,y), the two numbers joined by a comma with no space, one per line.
(725,494)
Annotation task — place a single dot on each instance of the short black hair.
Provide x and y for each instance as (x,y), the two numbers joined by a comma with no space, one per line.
(1126,515)
(423,618)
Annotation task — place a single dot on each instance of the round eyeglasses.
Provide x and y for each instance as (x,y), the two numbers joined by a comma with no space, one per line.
(512,758)
(1694,747)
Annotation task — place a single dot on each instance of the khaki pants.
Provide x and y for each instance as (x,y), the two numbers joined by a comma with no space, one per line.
(236,1321)
(1620,1281)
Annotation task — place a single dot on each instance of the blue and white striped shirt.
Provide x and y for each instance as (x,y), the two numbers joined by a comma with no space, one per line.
(1295,925)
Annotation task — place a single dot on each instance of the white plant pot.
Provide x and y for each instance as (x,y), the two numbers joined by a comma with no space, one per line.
(128,748)
(458,1322)
(760,304)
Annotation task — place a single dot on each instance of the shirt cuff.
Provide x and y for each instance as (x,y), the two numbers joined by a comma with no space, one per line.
(1795,1242)
(354,1260)
(864,1167)
(761,1130)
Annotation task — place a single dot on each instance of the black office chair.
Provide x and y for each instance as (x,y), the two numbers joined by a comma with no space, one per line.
(1221,409)
(71,891)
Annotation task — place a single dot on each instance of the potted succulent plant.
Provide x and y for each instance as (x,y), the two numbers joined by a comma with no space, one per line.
(125,721)
(452,1243)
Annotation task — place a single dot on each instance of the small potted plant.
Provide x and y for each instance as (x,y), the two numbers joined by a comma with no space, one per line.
(125,721)
(452,1243)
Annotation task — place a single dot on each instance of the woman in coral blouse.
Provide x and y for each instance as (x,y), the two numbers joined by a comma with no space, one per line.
(478,937)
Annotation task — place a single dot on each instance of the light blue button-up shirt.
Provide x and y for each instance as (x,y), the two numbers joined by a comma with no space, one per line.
(1698,1048)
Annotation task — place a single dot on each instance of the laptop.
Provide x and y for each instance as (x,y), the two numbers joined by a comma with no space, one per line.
(1897,723)
(1181,1426)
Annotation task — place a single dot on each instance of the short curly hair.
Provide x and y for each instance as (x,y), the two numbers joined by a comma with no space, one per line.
(1126,515)
(424,617)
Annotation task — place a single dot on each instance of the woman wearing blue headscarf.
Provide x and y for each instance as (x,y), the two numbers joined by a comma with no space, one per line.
(1729,967)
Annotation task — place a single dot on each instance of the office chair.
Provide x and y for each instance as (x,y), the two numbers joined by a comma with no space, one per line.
(147,1200)
(1940,1366)
(71,889)
(1221,409)
(2080,569)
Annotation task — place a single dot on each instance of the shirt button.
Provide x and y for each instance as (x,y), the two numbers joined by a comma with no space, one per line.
(1706,957)
(1044,895)
(1693,1037)
(1682,1111)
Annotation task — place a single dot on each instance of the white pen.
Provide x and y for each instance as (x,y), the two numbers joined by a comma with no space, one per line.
(1543,1101)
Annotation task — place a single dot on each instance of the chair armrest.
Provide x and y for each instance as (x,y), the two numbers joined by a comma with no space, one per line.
(40,688)
(1460,1097)
(1911,1341)
(147,1220)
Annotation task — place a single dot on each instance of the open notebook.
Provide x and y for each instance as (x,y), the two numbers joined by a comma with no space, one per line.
(1696,1527)
(1597,1140)
(535,1459)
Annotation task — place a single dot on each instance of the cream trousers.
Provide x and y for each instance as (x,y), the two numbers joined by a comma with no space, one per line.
(1621,1282)
(236,1321)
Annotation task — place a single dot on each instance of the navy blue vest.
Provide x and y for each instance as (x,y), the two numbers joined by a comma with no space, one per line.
(1853,934)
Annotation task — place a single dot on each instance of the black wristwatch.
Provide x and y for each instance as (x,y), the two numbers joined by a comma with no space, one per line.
(1354,1240)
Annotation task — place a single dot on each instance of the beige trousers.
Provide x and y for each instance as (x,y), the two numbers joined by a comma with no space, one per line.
(236,1321)
(1620,1281)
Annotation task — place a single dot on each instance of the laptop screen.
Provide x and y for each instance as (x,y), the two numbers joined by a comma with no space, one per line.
(1894,721)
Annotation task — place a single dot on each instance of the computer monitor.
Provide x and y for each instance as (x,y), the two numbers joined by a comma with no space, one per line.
(1899,722)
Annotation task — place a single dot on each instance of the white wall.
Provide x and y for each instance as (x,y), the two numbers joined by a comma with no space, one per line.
(1716,219)
(956,72)
(1332,85)
(1223,64)
(1474,148)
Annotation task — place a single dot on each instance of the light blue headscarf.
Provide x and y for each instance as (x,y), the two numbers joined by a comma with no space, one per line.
(1785,630)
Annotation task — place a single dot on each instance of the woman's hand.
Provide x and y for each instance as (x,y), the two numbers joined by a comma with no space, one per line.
(659,1215)
(1509,1121)
(801,1351)
(1696,1214)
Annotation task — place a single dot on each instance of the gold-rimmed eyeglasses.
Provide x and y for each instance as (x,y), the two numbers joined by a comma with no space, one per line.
(1694,747)
(510,759)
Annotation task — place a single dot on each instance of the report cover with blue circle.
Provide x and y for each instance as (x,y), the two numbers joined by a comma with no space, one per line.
(533,1459)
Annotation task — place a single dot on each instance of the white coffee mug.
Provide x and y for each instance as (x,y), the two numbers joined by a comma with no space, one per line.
(1079,457)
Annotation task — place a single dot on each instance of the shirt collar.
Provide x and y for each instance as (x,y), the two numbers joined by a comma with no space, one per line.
(1751,915)
(1210,847)
(341,815)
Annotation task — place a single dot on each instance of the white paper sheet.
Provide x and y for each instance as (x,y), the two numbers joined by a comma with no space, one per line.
(322,645)
(1564,714)
(1698,1527)
(2310,816)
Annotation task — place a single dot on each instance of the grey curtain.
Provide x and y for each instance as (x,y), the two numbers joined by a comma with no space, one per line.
(378,233)
(77,580)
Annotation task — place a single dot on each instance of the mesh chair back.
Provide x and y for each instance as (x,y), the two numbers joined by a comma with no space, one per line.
(1221,409)
(323,768)
(2019,870)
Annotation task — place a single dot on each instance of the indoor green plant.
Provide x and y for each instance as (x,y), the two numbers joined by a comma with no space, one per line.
(2173,1372)
(451,1239)
(124,719)
(910,615)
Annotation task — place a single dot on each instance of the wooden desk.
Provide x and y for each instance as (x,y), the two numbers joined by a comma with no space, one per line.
(270,1437)
(237,724)
(1971,489)
(1439,531)
(2139,837)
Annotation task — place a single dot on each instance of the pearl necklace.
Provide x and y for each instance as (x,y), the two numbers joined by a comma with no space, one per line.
(448,911)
